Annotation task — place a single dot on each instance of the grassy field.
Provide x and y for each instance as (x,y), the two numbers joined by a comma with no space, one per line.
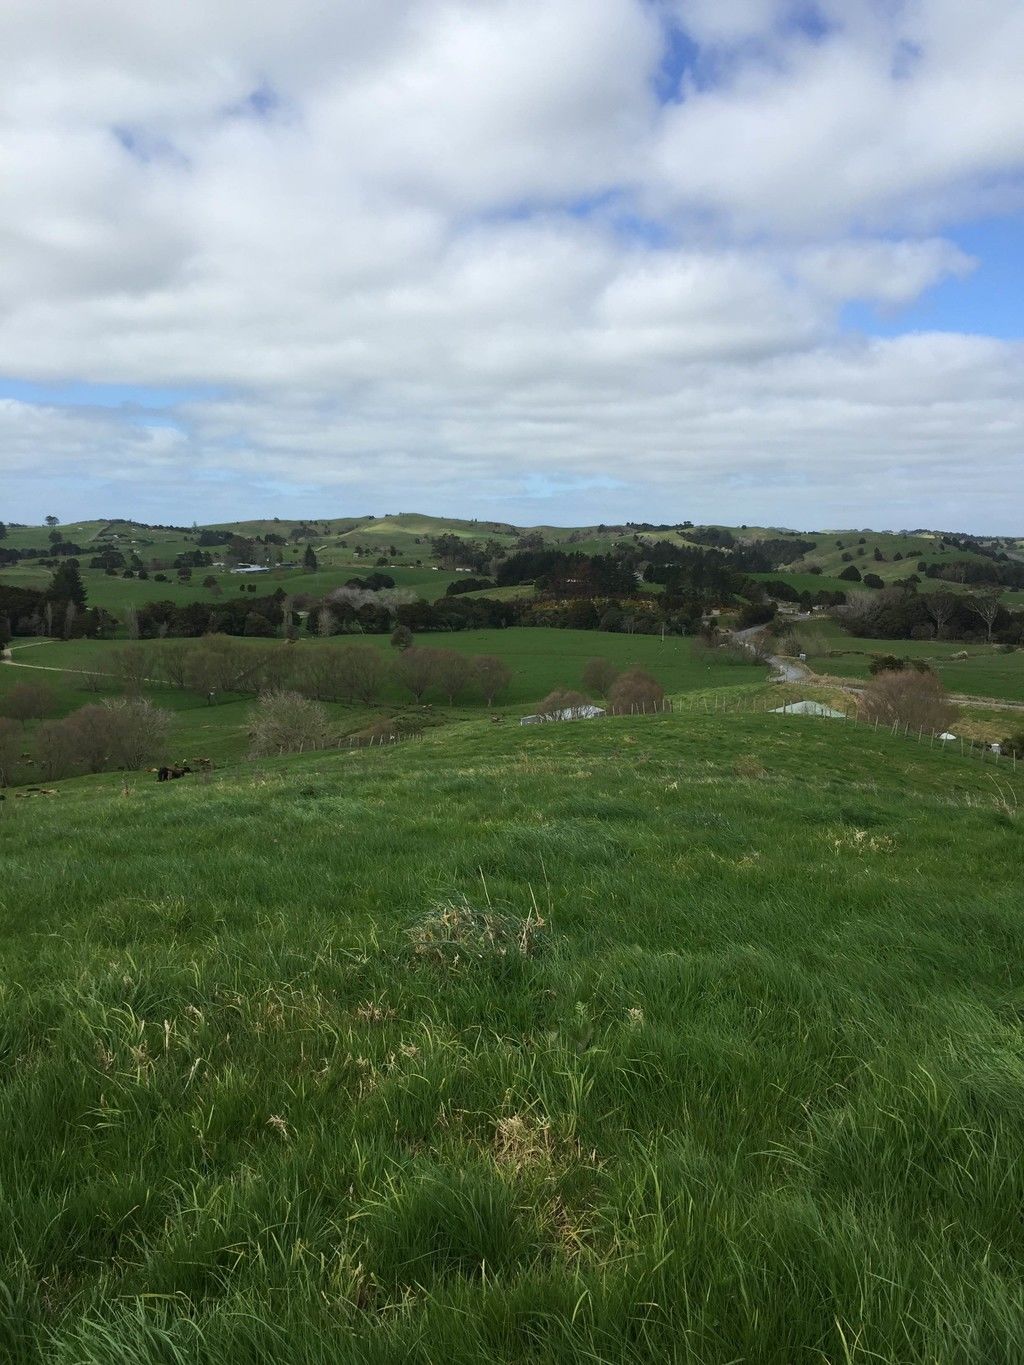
(808,582)
(753,1093)
(114,593)
(984,673)
(541,659)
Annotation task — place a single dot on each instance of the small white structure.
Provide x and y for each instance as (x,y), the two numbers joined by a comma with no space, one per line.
(587,712)
(808,708)
(250,568)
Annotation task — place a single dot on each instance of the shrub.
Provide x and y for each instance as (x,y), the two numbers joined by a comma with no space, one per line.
(136,731)
(287,722)
(562,704)
(401,637)
(635,690)
(886,663)
(1013,745)
(756,614)
(915,700)
(599,675)
(121,732)
(28,701)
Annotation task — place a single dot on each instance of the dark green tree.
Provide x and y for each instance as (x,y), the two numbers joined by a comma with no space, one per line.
(309,560)
(67,585)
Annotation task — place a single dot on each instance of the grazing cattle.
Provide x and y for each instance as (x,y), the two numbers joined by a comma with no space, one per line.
(166,773)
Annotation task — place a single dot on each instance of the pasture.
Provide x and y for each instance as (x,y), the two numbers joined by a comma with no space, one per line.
(986,672)
(540,659)
(291,1071)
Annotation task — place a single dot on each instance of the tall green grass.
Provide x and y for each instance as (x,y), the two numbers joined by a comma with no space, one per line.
(755,1095)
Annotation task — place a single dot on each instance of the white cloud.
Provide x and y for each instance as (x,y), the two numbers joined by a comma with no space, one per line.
(440,249)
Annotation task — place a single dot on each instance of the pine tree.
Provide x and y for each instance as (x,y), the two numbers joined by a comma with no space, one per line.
(309,560)
(67,585)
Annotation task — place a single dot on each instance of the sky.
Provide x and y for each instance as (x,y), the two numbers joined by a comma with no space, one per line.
(545,261)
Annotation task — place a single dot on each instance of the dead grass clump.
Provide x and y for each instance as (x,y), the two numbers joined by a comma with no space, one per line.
(456,932)
(522,1141)
(749,767)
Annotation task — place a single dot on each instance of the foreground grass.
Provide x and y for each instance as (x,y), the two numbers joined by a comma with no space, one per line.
(756,1097)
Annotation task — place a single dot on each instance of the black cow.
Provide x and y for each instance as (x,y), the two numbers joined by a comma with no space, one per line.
(166,773)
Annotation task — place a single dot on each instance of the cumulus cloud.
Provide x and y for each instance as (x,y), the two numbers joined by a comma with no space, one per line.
(468,256)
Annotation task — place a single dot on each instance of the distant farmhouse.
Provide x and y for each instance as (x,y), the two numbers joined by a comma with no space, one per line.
(250,568)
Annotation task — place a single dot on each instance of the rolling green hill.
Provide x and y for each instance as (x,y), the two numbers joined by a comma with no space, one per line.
(292,1071)
(400,545)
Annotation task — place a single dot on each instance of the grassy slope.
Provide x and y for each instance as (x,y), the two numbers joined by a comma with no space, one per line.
(759,1099)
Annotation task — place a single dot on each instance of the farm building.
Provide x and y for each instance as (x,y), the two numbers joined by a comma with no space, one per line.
(587,712)
(809,708)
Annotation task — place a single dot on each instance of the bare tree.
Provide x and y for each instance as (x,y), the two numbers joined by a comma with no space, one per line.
(635,690)
(29,701)
(452,672)
(368,670)
(986,605)
(493,676)
(416,670)
(170,662)
(940,606)
(598,675)
(287,722)
(136,731)
(56,753)
(131,622)
(316,671)
(908,698)
(131,668)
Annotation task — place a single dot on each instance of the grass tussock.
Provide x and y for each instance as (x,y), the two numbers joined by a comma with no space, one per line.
(455,932)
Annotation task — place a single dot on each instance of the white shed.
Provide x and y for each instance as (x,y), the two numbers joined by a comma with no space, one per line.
(809,708)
